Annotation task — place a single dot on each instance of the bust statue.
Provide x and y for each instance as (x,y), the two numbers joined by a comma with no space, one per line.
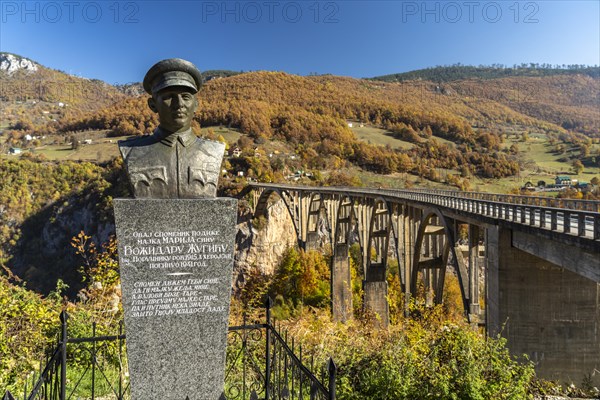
(172,162)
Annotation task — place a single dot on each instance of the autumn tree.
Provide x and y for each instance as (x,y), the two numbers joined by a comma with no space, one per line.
(74,143)
(303,278)
(340,178)
(577,167)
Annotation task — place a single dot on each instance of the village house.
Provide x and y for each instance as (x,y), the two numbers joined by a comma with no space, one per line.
(584,187)
(528,186)
(563,180)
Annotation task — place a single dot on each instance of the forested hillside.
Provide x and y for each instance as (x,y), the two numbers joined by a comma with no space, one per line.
(47,86)
(43,206)
(472,107)
(310,113)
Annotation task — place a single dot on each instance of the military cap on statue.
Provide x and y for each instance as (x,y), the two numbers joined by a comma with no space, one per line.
(172,72)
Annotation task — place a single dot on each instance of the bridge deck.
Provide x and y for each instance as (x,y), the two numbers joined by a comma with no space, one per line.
(563,218)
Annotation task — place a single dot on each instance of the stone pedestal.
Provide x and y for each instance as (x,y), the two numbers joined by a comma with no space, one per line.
(176,259)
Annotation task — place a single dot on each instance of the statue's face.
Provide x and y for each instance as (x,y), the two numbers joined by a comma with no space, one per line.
(175,106)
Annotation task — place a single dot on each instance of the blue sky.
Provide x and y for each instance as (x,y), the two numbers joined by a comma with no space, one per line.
(117,41)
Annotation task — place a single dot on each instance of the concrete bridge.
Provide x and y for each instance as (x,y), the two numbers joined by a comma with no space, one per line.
(528,267)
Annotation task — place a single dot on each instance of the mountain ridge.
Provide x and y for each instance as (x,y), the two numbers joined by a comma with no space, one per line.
(449,73)
(439,73)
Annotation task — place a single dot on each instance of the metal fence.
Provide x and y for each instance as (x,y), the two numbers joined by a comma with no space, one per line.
(262,363)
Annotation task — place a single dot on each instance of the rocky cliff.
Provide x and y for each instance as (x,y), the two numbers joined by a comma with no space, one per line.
(263,247)
(11,63)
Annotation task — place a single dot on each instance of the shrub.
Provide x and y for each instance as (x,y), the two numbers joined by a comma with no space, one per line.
(28,325)
(428,358)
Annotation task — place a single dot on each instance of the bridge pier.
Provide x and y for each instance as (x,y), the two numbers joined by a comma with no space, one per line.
(341,284)
(375,289)
(312,241)
(548,313)
(476,312)
(492,288)
(474,308)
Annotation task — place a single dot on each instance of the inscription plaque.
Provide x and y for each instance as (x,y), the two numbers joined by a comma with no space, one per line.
(176,260)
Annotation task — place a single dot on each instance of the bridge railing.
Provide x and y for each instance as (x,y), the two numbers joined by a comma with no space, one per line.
(575,222)
(580,218)
(541,201)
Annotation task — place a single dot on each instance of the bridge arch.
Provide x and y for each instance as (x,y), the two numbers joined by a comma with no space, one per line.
(375,260)
(380,227)
(345,221)
(316,214)
(435,266)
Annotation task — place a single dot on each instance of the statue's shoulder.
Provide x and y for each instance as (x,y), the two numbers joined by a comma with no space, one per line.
(127,145)
(136,141)
(212,146)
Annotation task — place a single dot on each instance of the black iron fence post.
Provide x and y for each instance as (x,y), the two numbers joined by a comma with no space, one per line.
(332,373)
(94,361)
(268,348)
(244,357)
(63,360)
(8,396)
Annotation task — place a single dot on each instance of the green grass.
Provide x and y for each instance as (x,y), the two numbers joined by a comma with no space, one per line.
(101,150)
(396,180)
(537,157)
(504,185)
(104,149)
(380,137)
(445,141)
(392,181)
(541,162)
(55,152)
(230,135)
(79,383)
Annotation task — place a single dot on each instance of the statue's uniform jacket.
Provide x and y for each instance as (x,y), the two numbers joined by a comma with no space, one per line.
(164,165)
